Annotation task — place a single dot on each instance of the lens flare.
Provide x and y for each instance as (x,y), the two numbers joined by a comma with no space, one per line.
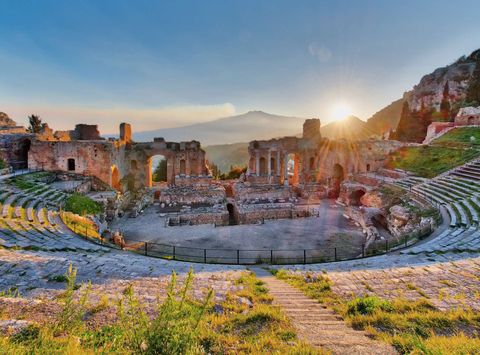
(340,111)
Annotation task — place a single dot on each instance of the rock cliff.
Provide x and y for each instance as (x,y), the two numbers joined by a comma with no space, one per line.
(438,97)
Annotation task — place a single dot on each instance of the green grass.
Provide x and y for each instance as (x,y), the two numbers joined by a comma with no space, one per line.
(412,327)
(460,136)
(82,205)
(176,325)
(429,161)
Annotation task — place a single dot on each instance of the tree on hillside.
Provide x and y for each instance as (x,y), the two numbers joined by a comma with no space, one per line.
(445,109)
(160,172)
(35,124)
(234,173)
(413,124)
(473,91)
(214,170)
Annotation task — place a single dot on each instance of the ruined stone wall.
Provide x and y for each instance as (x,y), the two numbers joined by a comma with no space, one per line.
(14,149)
(193,194)
(185,162)
(315,159)
(90,158)
(193,218)
(245,192)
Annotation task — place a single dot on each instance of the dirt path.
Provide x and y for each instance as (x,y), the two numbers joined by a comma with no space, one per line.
(317,324)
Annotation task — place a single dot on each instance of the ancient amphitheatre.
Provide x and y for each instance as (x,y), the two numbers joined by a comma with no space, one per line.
(303,201)
(337,235)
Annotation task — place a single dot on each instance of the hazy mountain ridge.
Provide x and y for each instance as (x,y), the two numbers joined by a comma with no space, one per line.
(240,128)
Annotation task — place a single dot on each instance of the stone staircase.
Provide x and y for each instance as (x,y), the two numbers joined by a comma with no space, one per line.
(318,325)
(29,220)
(458,191)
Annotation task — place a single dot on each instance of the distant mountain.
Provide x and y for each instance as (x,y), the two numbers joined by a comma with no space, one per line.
(351,127)
(241,128)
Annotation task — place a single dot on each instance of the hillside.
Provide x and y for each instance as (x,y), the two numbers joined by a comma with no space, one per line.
(240,128)
(386,119)
(226,155)
(351,128)
(438,97)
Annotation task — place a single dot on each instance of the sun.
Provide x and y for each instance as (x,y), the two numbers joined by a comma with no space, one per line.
(340,111)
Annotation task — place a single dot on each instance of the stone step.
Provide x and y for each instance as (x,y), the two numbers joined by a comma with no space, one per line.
(317,324)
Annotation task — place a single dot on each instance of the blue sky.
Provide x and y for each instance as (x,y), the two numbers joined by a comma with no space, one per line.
(168,63)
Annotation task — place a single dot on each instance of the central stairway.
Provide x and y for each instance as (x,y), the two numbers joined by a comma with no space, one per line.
(318,325)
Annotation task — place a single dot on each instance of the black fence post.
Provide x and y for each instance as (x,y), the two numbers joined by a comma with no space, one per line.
(363,250)
(406,240)
(386,245)
(304,256)
(205,256)
(173,252)
(86,232)
(271,257)
(238,256)
(146,248)
(335,254)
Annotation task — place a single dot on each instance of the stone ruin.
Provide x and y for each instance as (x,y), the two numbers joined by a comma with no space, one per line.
(284,177)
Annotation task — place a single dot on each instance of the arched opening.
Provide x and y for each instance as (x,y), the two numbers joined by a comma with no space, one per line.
(368,167)
(115,178)
(251,166)
(159,168)
(71,164)
(183,167)
(273,166)
(312,163)
(471,121)
(292,168)
(263,166)
(355,197)
(232,217)
(337,178)
(23,149)
(133,165)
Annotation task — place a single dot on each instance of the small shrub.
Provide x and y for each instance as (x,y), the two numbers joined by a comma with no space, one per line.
(82,205)
(368,305)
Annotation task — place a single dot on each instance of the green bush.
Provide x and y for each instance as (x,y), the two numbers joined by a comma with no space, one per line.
(3,165)
(368,305)
(82,205)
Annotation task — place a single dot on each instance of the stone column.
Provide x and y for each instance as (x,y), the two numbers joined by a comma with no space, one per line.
(269,163)
(278,163)
(148,173)
(257,163)
(285,169)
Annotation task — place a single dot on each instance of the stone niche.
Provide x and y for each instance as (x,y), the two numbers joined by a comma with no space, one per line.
(468,116)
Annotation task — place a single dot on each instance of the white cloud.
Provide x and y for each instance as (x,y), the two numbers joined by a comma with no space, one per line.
(322,53)
(108,118)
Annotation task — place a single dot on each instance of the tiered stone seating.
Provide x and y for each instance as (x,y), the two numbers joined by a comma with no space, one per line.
(458,192)
(28,220)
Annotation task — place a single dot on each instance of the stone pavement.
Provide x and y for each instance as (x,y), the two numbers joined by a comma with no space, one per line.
(447,281)
(31,272)
(318,325)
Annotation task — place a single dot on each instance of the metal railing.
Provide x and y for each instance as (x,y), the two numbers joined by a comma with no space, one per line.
(272,256)
(256,256)
(253,256)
